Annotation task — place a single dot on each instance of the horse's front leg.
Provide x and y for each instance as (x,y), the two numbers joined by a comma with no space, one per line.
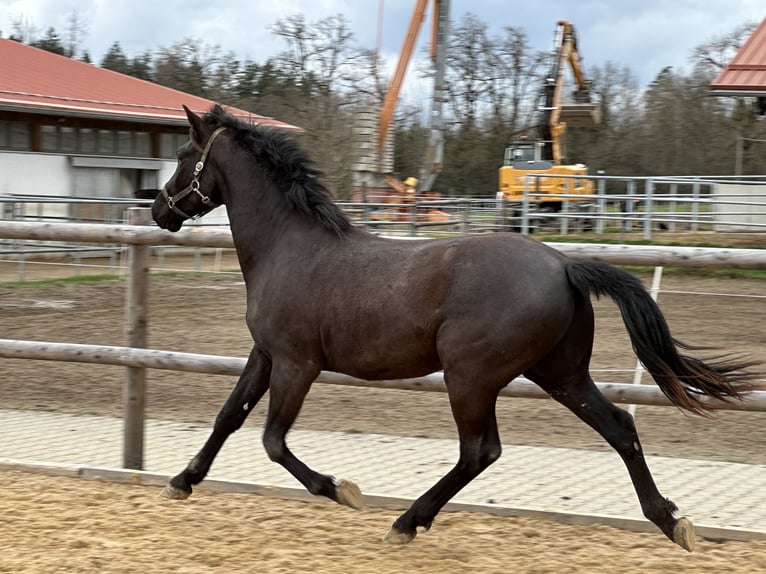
(288,387)
(251,386)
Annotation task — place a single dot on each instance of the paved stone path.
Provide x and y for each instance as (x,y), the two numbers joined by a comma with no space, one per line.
(723,499)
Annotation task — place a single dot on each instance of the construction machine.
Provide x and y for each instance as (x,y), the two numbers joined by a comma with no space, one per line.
(434,156)
(544,156)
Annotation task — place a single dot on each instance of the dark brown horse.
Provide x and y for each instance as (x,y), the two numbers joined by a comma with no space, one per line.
(324,295)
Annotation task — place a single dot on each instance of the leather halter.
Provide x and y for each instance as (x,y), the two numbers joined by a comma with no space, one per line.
(172,201)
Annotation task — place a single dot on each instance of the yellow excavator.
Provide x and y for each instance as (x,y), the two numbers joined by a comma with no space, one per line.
(544,156)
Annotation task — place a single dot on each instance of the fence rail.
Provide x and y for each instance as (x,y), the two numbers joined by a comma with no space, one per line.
(224,365)
(136,359)
(678,256)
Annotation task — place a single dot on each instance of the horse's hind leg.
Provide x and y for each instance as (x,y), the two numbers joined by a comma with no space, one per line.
(251,386)
(288,389)
(580,395)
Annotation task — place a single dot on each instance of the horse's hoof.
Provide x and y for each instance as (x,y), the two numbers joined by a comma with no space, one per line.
(349,494)
(683,534)
(396,537)
(175,493)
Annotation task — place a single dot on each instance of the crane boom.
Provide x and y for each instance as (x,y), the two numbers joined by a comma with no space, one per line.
(392,94)
(439,31)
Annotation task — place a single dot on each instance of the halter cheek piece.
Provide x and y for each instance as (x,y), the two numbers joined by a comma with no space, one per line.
(172,201)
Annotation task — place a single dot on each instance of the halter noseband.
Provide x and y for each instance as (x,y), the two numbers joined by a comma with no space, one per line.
(172,201)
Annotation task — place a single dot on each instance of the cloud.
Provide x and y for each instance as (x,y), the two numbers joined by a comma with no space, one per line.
(644,36)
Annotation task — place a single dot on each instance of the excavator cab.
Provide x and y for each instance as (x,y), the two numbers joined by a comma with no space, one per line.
(523,152)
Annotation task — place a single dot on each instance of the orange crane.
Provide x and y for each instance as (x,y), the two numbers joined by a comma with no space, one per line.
(439,31)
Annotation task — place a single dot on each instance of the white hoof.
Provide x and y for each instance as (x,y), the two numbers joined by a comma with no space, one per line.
(174,493)
(683,534)
(349,494)
(396,537)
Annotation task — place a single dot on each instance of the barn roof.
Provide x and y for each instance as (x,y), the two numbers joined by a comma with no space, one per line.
(37,81)
(745,75)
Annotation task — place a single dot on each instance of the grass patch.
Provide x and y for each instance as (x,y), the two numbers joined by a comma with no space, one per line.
(717,241)
(680,239)
(701,272)
(78,280)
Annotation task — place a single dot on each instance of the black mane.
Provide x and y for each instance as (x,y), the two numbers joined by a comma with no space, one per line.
(289,166)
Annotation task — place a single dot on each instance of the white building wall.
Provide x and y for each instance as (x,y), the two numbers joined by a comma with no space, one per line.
(24,173)
(34,174)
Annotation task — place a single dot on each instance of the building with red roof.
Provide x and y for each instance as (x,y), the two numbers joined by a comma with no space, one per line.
(745,75)
(68,128)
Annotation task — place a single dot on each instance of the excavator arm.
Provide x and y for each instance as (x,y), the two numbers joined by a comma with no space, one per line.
(555,115)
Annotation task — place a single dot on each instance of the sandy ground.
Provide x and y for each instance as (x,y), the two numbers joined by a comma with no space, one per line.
(52,524)
(72,525)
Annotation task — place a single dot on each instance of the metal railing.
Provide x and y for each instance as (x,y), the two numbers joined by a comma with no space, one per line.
(621,206)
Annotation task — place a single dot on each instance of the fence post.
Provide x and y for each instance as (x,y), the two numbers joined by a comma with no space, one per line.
(673,217)
(629,205)
(565,207)
(696,206)
(601,205)
(466,207)
(136,304)
(648,207)
(525,207)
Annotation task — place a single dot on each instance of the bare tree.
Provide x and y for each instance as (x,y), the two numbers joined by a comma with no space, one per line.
(721,49)
(469,68)
(515,78)
(76,32)
(614,144)
(24,29)
(317,53)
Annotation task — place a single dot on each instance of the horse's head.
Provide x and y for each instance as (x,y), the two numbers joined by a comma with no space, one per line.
(191,192)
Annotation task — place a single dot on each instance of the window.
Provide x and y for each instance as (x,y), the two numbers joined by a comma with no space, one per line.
(86,141)
(105,144)
(143,144)
(62,139)
(19,136)
(48,139)
(169,144)
(125,143)
(67,139)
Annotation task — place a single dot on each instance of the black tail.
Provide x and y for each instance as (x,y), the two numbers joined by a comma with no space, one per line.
(683,379)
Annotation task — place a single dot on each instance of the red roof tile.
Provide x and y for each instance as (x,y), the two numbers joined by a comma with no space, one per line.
(745,75)
(33,79)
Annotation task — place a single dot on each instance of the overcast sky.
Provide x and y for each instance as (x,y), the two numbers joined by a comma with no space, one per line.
(646,36)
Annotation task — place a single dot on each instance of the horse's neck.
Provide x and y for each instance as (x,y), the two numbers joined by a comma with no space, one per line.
(263,226)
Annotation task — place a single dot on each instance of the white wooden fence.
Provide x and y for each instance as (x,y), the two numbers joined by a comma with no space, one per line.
(136,358)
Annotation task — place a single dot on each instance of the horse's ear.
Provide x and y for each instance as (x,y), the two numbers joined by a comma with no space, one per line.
(196,124)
